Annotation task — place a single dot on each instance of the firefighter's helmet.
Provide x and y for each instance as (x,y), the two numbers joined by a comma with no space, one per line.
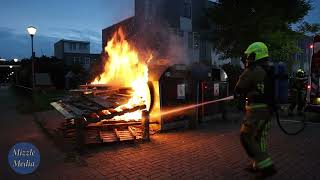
(257,51)
(300,73)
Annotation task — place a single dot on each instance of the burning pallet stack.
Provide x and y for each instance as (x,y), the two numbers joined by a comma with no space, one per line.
(91,116)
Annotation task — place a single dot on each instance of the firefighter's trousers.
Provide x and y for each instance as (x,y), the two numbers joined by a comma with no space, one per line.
(298,99)
(254,132)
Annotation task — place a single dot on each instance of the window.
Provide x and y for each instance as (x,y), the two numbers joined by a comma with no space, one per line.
(83,46)
(74,46)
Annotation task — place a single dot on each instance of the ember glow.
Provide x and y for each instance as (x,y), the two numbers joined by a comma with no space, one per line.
(123,68)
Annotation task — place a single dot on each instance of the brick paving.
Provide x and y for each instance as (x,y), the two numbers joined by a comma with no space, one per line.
(212,151)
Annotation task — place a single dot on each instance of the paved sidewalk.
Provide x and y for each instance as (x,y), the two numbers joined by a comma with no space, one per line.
(212,151)
(16,127)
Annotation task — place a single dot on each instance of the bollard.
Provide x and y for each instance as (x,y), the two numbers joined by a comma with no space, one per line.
(79,125)
(145,125)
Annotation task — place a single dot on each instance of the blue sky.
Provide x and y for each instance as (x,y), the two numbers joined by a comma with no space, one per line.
(55,20)
(68,19)
(314,14)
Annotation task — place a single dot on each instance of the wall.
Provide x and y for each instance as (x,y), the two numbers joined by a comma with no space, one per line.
(169,26)
(76,47)
(58,50)
(80,58)
(127,25)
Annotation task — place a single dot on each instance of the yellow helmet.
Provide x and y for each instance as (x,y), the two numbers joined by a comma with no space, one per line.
(260,50)
(300,73)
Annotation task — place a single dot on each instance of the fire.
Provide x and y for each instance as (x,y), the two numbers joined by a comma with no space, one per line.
(123,68)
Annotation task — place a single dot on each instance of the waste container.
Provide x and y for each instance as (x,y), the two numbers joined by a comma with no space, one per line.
(211,84)
(171,89)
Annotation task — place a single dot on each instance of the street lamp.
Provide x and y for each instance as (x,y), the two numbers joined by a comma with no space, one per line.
(32,31)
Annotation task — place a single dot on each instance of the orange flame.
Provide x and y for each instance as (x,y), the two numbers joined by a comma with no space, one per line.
(123,68)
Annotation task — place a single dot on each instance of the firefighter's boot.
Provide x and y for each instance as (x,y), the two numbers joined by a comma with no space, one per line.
(266,172)
(251,168)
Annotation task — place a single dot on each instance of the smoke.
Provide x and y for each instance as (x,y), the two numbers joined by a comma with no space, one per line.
(177,52)
(167,44)
(172,45)
(168,47)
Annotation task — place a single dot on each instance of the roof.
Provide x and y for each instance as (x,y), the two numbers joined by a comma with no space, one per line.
(120,23)
(74,41)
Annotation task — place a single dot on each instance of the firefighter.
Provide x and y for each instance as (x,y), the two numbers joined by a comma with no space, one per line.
(298,92)
(256,124)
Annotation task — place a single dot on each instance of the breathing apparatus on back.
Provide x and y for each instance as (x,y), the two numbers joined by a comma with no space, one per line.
(276,81)
(257,55)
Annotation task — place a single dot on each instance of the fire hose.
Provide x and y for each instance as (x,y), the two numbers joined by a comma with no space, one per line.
(241,100)
(277,116)
(303,123)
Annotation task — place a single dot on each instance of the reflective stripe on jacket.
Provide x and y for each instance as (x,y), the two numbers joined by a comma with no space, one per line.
(256,106)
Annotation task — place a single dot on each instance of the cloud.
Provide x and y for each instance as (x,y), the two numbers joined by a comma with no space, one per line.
(17,45)
(72,33)
(94,37)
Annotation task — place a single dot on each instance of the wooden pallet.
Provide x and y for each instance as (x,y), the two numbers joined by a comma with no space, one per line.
(124,135)
(137,132)
(108,136)
(59,107)
(94,114)
(92,136)
(92,107)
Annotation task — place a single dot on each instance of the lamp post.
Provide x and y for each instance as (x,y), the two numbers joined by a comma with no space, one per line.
(310,57)
(309,72)
(32,31)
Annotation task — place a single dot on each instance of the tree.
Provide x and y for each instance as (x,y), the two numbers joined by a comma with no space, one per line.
(282,45)
(239,23)
(307,28)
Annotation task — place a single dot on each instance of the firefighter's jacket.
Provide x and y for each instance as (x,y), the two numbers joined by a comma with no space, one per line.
(298,85)
(251,84)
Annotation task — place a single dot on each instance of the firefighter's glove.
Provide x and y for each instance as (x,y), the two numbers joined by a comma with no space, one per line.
(240,101)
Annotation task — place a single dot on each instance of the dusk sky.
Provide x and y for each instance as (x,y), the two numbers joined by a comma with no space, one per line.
(66,19)
(55,20)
